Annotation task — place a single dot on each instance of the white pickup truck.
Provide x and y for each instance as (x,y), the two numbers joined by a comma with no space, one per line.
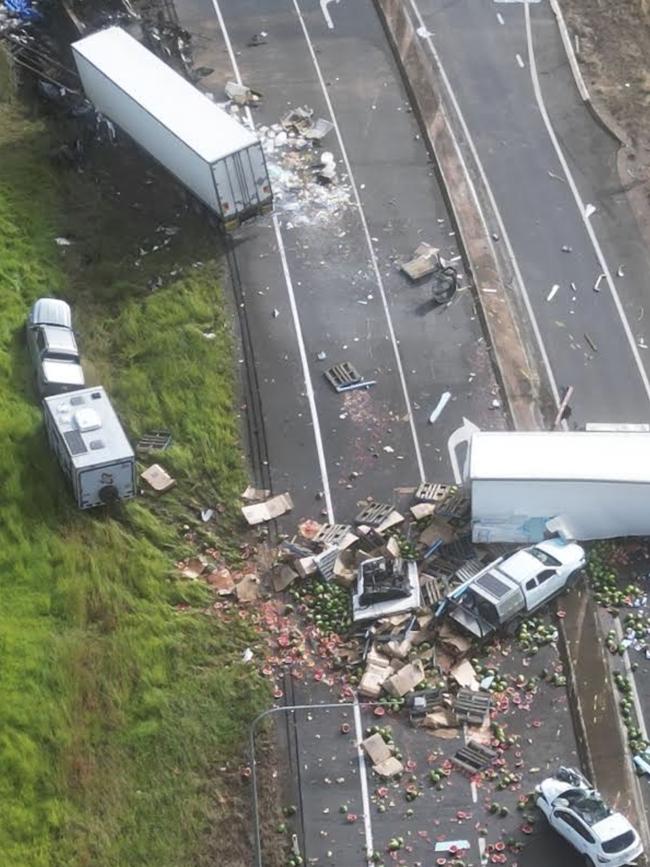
(512,587)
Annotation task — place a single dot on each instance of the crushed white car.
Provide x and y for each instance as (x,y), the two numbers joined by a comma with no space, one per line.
(577,812)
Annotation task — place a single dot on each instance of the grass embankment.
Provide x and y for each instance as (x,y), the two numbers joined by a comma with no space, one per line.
(118,695)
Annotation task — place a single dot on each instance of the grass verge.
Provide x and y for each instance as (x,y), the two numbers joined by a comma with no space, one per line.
(123,699)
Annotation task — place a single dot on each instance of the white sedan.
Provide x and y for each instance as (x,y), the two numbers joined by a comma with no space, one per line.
(576,811)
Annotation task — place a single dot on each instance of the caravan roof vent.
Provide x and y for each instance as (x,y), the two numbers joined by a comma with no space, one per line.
(95,445)
(77,400)
(87,420)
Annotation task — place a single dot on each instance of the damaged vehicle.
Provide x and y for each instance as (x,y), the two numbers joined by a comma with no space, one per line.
(576,811)
(513,587)
(53,347)
(385,587)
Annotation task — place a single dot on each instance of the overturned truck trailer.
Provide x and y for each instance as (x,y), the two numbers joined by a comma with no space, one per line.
(209,152)
(580,485)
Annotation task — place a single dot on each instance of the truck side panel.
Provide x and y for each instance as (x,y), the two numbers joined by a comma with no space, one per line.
(188,166)
(517,510)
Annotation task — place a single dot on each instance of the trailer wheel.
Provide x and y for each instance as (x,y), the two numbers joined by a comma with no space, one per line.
(109,494)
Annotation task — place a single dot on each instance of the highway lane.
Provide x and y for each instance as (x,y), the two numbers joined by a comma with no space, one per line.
(484,49)
(324,776)
(351,301)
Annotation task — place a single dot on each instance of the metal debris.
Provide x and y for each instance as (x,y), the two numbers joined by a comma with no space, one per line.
(345,377)
(423,263)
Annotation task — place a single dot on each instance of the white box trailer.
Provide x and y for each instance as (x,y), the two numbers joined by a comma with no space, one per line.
(209,152)
(582,485)
(91,446)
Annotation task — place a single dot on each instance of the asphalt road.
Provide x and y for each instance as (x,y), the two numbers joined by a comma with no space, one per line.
(351,301)
(324,774)
(484,48)
(314,285)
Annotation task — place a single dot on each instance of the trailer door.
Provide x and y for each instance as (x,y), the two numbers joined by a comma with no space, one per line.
(242,184)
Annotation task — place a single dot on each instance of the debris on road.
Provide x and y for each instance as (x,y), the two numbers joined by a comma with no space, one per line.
(473,757)
(598,281)
(445,397)
(381,756)
(241,94)
(252,494)
(423,263)
(554,289)
(257,39)
(153,441)
(345,377)
(158,479)
(268,510)
(325,169)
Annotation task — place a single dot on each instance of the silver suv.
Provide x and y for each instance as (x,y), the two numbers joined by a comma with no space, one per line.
(53,347)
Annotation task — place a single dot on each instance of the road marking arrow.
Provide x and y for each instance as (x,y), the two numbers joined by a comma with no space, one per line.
(461,435)
(326,13)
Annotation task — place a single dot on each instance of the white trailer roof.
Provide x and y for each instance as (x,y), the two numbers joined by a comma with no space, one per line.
(165,94)
(89,427)
(576,455)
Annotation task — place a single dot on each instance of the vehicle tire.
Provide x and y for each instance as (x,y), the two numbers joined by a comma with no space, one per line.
(588,862)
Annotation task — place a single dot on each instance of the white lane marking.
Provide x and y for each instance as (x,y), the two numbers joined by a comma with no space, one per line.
(604,267)
(363,778)
(461,435)
(369,242)
(326,13)
(322,463)
(493,205)
(500,18)
(519,60)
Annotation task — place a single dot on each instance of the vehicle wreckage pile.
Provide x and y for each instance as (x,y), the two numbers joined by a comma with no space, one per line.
(354,606)
(370,592)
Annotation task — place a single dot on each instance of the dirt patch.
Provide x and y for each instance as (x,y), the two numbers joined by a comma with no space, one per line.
(614,54)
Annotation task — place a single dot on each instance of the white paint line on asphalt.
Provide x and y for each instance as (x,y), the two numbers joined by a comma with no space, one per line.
(369,242)
(309,389)
(326,13)
(604,267)
(502,229)
(500,18)
(519,60)
(363,778)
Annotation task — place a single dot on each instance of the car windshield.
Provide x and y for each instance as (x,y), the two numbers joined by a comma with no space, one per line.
(543,557)
(62,356)
(587,805)
(618,844)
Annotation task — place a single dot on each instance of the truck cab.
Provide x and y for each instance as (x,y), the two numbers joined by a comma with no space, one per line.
(512,587)
(53,347)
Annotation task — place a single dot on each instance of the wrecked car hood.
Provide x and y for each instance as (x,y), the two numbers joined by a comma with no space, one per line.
(552,788)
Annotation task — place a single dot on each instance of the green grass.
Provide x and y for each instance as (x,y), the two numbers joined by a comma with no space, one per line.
(118,694)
